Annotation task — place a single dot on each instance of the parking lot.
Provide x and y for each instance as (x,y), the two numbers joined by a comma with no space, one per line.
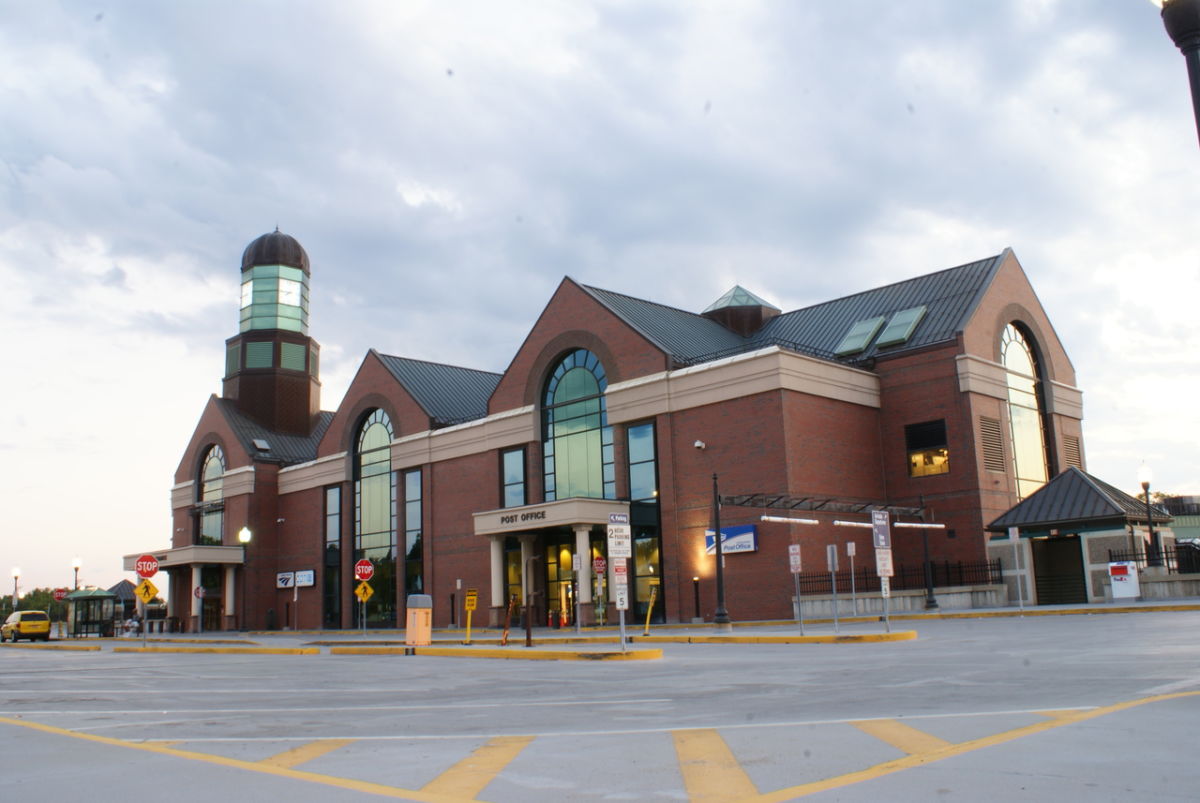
(1035,708)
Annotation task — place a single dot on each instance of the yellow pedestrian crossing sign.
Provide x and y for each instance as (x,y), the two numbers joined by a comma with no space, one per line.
(364,591)
(146,591)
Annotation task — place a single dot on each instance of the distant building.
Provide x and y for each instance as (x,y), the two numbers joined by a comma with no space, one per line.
(947,395)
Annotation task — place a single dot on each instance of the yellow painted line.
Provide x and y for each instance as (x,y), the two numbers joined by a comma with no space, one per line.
(900,736)
(511,653)
(1066,712)
(710,770)
(307,752)
(908,762)
(234,763)
(862,638)
(469,777)
(227,650)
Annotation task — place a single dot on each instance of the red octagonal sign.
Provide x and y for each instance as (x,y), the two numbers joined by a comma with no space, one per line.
(364,570)
(146,566)
(60,594)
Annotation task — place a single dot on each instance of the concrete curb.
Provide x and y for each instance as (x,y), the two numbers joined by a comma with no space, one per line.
(44,646)
(863,638)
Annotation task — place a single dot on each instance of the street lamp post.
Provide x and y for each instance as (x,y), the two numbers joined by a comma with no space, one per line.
(16,573)
(696,597)
(720,615)
(1154,548)
(1181,18)
(244,536)
(75,564)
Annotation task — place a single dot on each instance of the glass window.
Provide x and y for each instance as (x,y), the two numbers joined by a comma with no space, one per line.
(1026,417)
(926,445)
(643,484)
(331,591)
(512,478)
(577,438)
(413,566)
(211,498)
(375,514)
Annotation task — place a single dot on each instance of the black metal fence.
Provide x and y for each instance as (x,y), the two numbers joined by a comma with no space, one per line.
(1178,559)
(945,573)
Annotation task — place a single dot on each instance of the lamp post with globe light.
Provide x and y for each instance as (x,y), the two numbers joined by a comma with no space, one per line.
(16,573)
(76,563)
(1181,18)
(1154,548)
(244,536)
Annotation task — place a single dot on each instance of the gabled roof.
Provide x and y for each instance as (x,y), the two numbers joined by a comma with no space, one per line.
(949,296)
(283,448)
(738,296)
(685,336)
(447,393)
(1076,499)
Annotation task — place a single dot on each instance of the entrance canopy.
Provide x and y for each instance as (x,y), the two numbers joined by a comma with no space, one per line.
(190,555)
(1076,502)
(815,504)
(565,512)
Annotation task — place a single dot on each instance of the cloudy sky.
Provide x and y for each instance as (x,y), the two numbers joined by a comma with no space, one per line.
(445,164)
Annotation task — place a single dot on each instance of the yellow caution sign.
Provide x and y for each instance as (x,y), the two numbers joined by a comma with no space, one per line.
(471,604)
(146,591)
(364,591)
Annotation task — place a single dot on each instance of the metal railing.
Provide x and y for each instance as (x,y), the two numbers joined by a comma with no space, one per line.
(945,573)
(1178,559)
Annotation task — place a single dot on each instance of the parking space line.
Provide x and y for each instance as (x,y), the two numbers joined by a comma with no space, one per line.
(710,770)
(920,759)
(900,736)
(466,779)
(306,752)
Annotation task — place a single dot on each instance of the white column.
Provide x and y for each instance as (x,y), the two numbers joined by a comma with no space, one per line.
(583,548)
(499,589)
(230,602)
(196,601)
(526,554)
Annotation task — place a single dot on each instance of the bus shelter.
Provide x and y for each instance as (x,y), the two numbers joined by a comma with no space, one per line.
(91,611)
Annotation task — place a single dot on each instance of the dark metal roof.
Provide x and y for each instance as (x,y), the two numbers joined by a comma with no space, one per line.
(448,394)
(1076,499)
(949,296)
(685,336)
(284,448)
(275,248)
(123,591)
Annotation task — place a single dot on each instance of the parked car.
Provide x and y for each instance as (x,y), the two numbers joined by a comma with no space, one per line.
(26,624)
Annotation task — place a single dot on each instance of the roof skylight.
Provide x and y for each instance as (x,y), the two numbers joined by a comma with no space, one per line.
(859,336)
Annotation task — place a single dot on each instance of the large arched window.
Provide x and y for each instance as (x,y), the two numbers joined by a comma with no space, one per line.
(1025,412)
(577,440)
(375,514)
(211,497)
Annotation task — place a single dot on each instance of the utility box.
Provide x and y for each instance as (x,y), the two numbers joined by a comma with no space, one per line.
(1123,577)
(419,621)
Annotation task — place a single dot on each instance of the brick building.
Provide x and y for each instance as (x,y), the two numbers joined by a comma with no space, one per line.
(948,394)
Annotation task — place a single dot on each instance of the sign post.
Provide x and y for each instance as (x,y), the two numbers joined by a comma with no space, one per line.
(850,550)
(881,536)
(469,606)
(794,565)
(364,570)
(620,547)
(831,558)
(1014,535)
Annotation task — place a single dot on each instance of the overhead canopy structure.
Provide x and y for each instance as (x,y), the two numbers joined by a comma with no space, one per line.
(815,504)
(1076,502)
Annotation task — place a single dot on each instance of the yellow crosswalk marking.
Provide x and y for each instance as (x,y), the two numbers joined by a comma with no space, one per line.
(710,771)
(466,779)
(298,755)
(901,736)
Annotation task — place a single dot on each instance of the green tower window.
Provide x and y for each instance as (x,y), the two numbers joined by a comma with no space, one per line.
(274,297)
(291,356)
(258,355)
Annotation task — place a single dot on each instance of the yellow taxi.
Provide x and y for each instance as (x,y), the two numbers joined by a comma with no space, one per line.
(26,624)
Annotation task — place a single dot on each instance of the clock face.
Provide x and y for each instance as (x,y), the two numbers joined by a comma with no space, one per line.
(247,294)
(289,292)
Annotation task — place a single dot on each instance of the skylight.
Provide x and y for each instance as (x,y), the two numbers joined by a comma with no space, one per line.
(901,327)
(859,336)
(262,445)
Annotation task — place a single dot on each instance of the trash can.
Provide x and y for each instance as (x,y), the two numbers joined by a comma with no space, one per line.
(419,620)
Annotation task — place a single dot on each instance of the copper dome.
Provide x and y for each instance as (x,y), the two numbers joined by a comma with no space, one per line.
(275,248)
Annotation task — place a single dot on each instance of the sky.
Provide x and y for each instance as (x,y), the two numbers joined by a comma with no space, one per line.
(445,164)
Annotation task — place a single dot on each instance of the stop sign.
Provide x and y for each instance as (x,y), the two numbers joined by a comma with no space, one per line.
(146,566)
(364,570)
(60,594)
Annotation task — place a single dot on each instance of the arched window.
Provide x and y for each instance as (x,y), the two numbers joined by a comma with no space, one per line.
(211,497)
(577,440)
(1025,410)
(375,513)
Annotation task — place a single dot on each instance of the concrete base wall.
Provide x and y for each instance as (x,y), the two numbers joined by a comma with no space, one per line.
(820,606)
(1167,586)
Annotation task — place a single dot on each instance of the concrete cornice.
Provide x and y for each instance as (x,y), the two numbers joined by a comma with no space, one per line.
(329,470)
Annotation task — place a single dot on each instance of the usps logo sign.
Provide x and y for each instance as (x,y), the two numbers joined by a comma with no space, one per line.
(742,538)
